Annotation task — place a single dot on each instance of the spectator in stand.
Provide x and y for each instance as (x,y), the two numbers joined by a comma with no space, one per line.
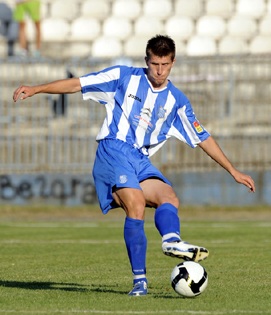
(31,7)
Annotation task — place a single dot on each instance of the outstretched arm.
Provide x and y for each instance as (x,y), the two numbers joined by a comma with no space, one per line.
(57,87)
(213,150)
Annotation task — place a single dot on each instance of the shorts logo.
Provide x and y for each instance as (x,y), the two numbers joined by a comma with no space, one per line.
(123,179)
(197,126)
(161,112)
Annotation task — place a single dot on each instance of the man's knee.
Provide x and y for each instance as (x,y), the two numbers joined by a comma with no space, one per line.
(132,201)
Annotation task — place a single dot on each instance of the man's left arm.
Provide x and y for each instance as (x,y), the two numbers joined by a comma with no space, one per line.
(211,147)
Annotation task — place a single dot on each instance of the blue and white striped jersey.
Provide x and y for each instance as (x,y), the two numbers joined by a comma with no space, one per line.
(138,114)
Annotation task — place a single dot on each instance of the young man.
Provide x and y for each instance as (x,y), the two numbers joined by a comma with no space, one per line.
(143,109)
(31,7)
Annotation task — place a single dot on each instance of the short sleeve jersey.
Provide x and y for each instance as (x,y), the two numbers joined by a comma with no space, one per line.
(139,115)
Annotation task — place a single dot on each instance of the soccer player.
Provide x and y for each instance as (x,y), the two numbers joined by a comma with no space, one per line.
(144,109)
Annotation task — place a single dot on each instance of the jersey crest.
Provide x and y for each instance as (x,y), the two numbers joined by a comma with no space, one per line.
(161,112)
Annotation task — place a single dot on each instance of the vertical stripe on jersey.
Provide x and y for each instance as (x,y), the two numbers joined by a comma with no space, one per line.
(194,139)
(104,131)
(127,105)
(145,119)
(168,107)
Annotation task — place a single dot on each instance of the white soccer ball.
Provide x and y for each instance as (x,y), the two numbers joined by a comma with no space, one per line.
(189,279)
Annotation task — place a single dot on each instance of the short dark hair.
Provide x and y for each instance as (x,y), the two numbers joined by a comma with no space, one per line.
(161,46)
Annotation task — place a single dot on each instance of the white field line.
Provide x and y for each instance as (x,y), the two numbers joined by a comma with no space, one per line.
(90,241)
(136,312)
(120,225)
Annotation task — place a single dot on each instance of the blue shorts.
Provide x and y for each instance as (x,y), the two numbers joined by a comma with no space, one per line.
(118,164)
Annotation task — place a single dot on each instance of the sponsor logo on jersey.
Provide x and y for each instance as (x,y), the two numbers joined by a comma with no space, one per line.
(161,112)
(197,126)
(146,111)
(123,179)
(134,97)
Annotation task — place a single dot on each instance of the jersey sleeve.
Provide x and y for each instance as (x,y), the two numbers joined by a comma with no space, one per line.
(187,128)
(101,86)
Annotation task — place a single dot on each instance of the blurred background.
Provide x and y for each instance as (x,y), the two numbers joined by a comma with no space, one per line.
(47,143)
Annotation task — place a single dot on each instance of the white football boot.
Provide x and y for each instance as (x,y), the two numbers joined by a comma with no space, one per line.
(184,250)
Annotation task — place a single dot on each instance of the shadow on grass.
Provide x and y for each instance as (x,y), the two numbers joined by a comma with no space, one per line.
(74,287)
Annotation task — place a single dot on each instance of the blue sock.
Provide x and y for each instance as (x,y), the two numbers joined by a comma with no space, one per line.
(167,222)
(136,244)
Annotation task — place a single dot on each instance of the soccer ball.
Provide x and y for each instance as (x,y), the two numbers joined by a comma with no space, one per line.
(189,279)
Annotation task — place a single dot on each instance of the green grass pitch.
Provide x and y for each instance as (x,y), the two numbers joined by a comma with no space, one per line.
(53,261)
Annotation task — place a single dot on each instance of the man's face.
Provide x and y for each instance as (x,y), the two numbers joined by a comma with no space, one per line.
(158,70)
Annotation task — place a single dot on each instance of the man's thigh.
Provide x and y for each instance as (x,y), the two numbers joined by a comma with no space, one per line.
(157,192)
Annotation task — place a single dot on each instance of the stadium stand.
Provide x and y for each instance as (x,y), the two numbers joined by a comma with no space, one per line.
(191,8)
(60,9)
(200,46)
(148,26)
(211,26)
(233,45)
(235,23)
(117,27)
(130,10)
(179,27)
(85,29)
(242,26)
(106,47)
(265,26)
(221,8)
(135,46)
(252,8)
(99,9)
(260,44)
(55,30)
(157,8)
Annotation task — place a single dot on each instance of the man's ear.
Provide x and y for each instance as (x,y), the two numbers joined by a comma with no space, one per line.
(146,60)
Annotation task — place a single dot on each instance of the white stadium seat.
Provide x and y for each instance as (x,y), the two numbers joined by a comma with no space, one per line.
(55,30)
(148,26)
(180,47)
(106,47)
(129,9)
(117,27)
(253,8)
(192,8)
(241,26)
(222,8)
(135,46)
(233,45)
(201,46)
(260,45)
(179,27)
(265,26)
(211,26)
(60,9)
(157,8)
(98,9)
(85,29)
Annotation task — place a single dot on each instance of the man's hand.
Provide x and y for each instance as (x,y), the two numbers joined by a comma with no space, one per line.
(27,91)
(242,178)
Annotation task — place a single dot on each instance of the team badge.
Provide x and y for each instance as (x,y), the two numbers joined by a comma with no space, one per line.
(161,112)
(123,179)
(197,126)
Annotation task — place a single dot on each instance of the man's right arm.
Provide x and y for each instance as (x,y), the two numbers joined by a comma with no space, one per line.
(57,87)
